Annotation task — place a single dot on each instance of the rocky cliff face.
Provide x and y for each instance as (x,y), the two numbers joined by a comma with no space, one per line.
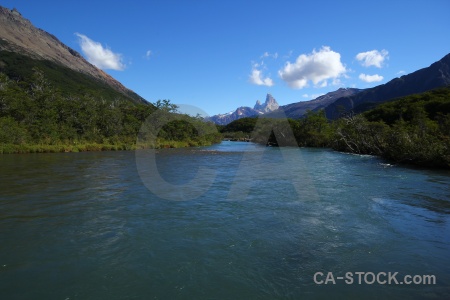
(270,105)
(19,35)
(244,111)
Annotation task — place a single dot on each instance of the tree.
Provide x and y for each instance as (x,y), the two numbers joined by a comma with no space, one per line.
(165,105)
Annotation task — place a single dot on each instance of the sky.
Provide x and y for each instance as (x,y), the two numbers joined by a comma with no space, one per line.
(219,55)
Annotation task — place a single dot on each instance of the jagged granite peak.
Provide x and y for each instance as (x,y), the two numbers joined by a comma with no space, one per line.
(269,105)
(244,111)
(19,35)
(239,113)
(258,105)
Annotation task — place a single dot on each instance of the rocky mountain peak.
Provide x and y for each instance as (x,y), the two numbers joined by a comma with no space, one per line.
(14,16)
(14,11)
(244,111)
(17,34)
(269,105)
(258,105)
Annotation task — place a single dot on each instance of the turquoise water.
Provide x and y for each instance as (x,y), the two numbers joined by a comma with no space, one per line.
(231,221)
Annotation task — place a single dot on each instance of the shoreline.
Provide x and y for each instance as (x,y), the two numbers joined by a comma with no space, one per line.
(93,147)
(98,147)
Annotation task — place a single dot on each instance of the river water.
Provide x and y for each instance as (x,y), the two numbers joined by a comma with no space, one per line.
(230,221)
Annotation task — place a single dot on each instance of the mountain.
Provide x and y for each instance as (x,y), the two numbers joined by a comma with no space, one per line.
(21,42)
(359,100)
(298,109)
(53,100)
(268,106)
(435,76)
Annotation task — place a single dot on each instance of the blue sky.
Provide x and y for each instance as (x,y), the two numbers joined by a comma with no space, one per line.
(218,55)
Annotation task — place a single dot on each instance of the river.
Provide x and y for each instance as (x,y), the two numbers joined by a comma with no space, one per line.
(231,221)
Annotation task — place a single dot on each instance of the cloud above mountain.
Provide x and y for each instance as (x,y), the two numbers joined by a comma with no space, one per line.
(370,78)
(101,57)
(373,58)
(256,77)
(317,67)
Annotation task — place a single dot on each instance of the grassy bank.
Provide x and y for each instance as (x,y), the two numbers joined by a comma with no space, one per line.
(42,148)
(85,147)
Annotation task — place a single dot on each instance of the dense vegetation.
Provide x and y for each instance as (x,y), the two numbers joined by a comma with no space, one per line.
(21,68)
(239,129)
(413,129)
(36,117)
(42,110)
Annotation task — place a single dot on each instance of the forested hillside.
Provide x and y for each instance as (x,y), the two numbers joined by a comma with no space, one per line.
(36,116)
(414,129)
(21,68)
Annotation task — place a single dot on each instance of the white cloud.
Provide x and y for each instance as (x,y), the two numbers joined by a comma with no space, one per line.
(370,78)
(401,72)
(373,58)
(267,54)
(99,56)
(318,67)
(257,77)
(323,84)
(148,53)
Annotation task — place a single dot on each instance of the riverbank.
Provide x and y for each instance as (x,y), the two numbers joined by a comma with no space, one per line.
(87,147)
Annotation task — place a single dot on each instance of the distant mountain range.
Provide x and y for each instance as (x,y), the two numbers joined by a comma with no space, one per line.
(18,36)
(298,109)
(268,106)
(344,100)
(435,76)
